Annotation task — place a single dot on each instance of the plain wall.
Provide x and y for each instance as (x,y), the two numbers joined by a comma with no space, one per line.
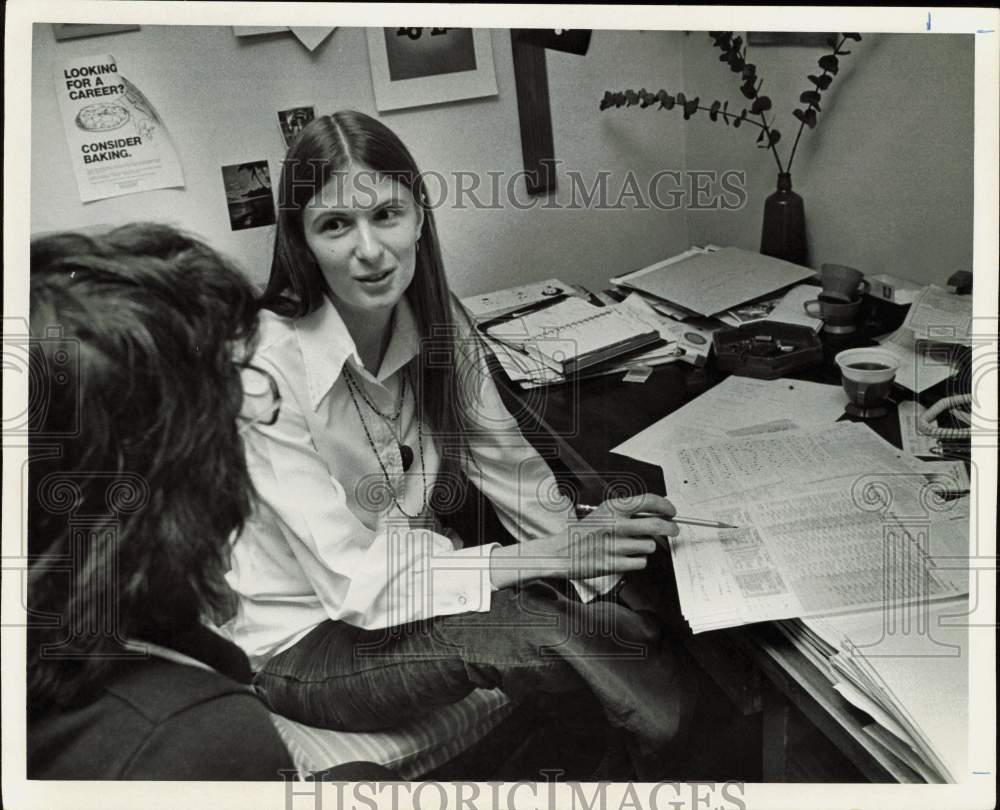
(886,176)
(218,95)
(887,173)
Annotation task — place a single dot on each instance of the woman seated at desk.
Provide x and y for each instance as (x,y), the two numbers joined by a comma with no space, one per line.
(355,607)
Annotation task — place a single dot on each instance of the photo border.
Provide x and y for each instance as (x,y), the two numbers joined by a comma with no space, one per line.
(441,89)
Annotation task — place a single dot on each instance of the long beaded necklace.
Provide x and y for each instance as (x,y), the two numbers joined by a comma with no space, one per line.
(354,389)
(399,405)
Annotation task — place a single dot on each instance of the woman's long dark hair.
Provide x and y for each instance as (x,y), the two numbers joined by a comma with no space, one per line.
(329,145)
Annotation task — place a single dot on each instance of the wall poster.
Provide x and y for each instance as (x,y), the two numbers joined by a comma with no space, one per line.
(117,141)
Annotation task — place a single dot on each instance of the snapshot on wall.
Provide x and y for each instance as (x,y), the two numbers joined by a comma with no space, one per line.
(248,195)
(292,121)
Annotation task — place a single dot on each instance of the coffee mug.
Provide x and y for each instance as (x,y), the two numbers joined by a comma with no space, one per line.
(842,283)
(867,375)
(838,317)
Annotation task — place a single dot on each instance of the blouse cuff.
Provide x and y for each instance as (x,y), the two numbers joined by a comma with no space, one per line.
(462,581)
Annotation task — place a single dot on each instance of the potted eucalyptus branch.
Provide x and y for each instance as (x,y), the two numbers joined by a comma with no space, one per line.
(783,232)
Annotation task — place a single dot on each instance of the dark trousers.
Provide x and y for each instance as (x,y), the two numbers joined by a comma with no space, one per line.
(535,642)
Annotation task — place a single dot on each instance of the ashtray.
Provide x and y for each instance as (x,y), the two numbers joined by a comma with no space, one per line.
(766,349)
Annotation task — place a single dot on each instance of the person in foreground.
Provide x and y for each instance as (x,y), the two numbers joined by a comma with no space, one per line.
(357,607)
(137,479)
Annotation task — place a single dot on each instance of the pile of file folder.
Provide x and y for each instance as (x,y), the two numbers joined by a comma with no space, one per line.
(676,304)
(892,665)
(547,333)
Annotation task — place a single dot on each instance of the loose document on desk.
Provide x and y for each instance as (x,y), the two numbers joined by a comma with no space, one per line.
(940,316)
(920,365)
(936,321)
(737,407)
(915,441)
(826,519)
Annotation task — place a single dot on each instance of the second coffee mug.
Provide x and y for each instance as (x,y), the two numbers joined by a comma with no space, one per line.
(842,283)
(838,317)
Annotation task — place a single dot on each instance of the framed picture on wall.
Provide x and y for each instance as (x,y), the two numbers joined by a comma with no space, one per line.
(413,67)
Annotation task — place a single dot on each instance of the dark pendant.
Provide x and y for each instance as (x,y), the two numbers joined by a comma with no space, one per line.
(406,453)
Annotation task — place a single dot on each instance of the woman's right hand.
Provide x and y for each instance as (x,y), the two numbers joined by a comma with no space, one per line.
(612,539)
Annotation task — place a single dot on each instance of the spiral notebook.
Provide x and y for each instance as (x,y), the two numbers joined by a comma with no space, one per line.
(573,334)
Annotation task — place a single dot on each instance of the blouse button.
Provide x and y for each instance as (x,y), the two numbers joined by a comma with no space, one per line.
(462,600)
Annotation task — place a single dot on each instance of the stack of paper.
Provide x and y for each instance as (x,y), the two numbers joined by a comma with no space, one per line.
(786,308)
(907,670)
(831,519)
(522,369)
(940,316)
(791,307)
(669,340)
(689,342)
(920,365)
(709,282)
(812,553)
(572,334)
(924,346)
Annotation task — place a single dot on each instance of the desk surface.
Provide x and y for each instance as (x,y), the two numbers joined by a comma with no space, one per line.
(581,421)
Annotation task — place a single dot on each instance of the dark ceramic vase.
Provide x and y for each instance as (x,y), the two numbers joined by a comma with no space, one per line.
(784,232)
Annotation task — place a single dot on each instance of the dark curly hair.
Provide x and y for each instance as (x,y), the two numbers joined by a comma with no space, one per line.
(137,477)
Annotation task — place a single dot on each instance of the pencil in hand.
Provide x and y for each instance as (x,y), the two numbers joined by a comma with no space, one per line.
(586,509)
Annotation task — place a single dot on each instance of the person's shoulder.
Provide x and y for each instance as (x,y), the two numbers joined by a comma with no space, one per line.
(158,689)
(157,719)
(219,729)
(278,346)
(274,330)
(202,724)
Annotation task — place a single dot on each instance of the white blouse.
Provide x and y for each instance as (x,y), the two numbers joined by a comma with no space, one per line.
(326,540)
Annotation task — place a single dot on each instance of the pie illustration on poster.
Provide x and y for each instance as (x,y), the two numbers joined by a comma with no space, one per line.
(117,141)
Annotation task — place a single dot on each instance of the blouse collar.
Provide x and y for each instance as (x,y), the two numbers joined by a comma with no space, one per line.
(327,345)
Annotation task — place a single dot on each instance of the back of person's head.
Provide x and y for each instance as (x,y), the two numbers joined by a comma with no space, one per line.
(137,477)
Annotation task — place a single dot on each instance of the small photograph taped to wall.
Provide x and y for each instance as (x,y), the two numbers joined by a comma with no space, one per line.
(248,195)
(293,120)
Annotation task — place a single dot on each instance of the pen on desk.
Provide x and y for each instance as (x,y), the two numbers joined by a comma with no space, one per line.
(545,303)
(685,521)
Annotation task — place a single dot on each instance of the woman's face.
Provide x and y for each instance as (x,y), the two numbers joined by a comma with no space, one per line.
(362,227)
